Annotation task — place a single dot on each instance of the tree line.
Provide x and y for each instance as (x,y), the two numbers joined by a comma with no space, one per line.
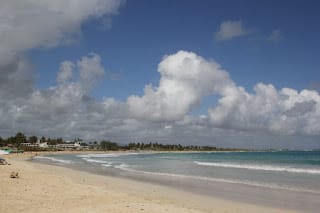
(19,139)
(155,146)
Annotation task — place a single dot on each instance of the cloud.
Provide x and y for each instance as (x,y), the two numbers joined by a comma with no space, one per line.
(284,111)
(44,23)
(231,29)
(162,113)
(275,36)
(16,79)
(63,107)
(65,72)
(66,97)
(185,79)
(90,69)
(30,24)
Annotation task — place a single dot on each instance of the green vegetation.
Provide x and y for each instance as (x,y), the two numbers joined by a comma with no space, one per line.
(33,139)
(31,143)
(172,147)
(108,145)
(14,141)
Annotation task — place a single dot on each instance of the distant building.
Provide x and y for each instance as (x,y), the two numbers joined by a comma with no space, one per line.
(29,144)
(37,144)
(69,145)
(43,145)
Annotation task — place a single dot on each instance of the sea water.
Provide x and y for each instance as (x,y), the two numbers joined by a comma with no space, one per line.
(294,171)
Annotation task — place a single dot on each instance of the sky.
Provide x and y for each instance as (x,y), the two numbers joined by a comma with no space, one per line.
(221,73)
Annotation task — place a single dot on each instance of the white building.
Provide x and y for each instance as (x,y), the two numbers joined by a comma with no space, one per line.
(44,145)
(29,144)
(37,144)
(69,145)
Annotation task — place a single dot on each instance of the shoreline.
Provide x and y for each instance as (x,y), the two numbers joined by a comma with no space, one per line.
(244,192)
(49,188)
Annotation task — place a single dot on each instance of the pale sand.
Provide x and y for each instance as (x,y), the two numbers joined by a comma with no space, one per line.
(47,188)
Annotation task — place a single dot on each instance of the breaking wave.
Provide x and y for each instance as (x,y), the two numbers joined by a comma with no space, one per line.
(260,167)
(54,159)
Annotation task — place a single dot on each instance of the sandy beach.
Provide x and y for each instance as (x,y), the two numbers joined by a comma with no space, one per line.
(47,188)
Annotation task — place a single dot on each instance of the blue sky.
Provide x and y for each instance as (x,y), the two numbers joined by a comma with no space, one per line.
(265,93)
(144,31)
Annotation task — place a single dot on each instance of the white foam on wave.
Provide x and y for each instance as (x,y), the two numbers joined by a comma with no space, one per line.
(122,166)
(106,155)
(54,159)
(98,155)
(260,167)
(95,161)
(126,167)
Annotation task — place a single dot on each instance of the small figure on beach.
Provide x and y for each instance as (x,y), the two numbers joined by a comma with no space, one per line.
(14,175)
(3,162)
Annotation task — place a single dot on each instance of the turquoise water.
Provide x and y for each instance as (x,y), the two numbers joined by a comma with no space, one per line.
(296,171)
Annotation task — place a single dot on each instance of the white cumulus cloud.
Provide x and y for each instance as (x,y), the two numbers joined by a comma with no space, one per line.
(90,69)
(229,30)
(162,113)
(284,111)
(29,24)
(185,79)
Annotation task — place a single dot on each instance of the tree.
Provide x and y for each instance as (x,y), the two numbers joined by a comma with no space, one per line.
(107,145)
(2,141)
(43,139)
(59,140)
(20,138)
(83,144)
(33,139)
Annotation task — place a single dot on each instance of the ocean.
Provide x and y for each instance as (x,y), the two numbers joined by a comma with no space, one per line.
(296,171)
